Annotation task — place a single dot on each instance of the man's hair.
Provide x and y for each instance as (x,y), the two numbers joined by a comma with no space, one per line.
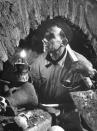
(61,33)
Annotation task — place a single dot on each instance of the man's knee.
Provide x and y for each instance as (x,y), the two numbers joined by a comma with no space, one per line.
(56,128)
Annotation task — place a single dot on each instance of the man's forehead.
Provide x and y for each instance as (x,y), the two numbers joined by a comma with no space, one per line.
(54,30)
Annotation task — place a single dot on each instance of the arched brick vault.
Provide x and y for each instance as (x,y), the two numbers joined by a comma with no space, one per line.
(17,17)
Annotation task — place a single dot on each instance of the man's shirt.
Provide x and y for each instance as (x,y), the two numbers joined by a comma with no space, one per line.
(50,81)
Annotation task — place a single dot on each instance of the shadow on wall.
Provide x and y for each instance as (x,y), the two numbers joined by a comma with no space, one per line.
(77,39)
(34,39)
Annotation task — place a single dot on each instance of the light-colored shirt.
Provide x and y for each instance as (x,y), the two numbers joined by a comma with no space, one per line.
(49,80)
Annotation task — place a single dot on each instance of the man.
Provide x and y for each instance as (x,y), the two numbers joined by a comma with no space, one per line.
(55,74)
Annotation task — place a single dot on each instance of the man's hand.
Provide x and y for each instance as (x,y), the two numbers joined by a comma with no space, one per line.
(85,70)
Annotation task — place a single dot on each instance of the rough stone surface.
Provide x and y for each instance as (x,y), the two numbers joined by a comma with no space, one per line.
(32,120)
(86,102)
(18,16)
(39,121)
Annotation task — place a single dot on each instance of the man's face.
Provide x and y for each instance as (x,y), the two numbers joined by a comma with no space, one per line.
(52,40)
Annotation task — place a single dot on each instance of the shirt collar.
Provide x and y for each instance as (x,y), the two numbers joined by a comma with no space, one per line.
(61,62)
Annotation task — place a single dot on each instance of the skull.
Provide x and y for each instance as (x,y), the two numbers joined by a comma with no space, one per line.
(3,104)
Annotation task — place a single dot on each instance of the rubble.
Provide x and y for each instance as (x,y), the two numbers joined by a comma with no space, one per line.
(86,102)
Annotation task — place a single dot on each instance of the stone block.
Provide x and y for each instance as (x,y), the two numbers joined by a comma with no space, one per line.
(38,120)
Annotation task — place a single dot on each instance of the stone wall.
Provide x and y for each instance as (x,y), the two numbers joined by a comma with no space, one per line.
(18,16)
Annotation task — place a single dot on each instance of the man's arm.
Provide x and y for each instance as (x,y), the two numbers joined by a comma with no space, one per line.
(35,72)
(84,66)
(79,72)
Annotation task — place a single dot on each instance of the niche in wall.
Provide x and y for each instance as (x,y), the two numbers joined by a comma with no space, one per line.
(77,39)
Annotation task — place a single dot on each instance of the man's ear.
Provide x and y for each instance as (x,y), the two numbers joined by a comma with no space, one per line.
(29,68)
(65,41)
(1,65)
